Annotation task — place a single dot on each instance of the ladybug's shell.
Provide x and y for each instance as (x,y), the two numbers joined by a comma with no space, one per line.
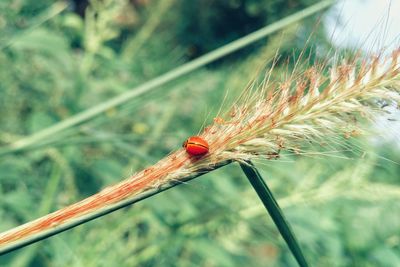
(196,146)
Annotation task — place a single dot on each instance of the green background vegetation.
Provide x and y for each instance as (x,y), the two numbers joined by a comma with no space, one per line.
(343,206)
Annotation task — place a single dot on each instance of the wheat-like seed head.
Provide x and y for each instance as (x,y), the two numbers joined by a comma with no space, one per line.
(307,107)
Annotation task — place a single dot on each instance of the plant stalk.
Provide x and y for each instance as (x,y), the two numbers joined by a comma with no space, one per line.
(25,241)
(274,211)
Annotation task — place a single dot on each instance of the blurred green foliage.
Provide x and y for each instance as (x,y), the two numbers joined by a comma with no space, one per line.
(54,63)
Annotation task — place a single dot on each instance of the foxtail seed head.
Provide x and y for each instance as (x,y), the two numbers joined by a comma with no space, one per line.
(308,107)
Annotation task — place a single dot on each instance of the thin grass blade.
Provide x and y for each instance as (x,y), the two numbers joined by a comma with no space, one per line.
(274,211)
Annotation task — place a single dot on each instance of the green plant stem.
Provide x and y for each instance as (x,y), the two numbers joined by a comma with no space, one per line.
(274,211)
(104,211)
(163,79)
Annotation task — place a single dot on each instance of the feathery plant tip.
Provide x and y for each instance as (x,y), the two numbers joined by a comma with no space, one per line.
(308,106)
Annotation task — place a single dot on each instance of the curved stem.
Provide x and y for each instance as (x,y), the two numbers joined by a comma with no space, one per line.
(274,211)
(23,241)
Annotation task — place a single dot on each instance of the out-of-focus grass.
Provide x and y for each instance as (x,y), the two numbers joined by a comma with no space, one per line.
(344,211)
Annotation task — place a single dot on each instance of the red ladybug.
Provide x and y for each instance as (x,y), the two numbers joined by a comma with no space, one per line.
(196,146)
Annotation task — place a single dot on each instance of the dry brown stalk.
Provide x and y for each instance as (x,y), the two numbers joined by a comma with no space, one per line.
(269,117)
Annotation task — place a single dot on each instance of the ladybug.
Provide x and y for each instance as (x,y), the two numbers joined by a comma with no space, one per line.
(196,146)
